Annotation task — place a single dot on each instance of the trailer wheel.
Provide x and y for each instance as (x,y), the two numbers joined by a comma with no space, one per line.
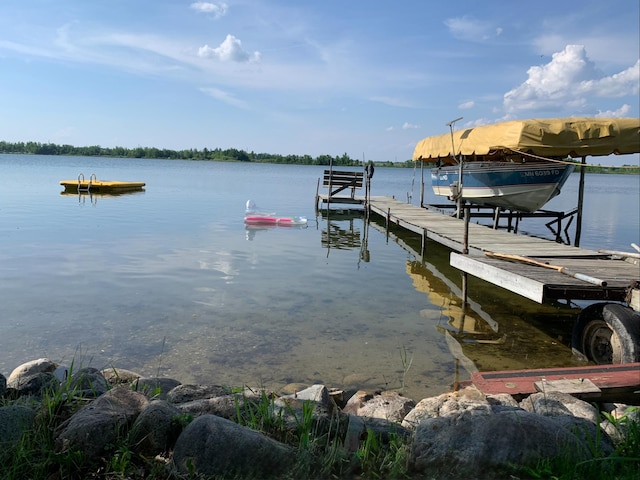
(607,333)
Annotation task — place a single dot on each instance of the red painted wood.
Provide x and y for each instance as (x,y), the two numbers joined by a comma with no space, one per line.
(518,382)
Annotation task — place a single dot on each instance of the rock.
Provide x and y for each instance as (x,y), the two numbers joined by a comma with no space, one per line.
(42,365)
(118,376)
(32,378)
(15,420)
(358,400)
(156,429)
(317,396)
(624,418)
(388,406)
(293,388)
(468,400)
(469,445)
(3,385)
(99,426)
(214,446)
(88,382)
(189,393)
(154,387)
(310,409)
(226,406)
(557,403)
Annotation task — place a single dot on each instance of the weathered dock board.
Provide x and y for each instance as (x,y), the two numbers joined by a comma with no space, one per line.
(534,282)
(596,381)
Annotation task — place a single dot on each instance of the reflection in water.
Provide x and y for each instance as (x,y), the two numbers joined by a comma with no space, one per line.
(252,230)
(84,195)
(341,229)
(497,330)
(344,230)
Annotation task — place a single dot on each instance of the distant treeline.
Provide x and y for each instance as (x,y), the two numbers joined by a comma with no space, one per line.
(228,155)
(216,154)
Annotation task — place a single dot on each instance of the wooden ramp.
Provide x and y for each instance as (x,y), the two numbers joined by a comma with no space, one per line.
(534,282)
(595,382)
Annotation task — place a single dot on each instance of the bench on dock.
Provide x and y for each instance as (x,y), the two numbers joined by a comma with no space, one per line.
(337,181)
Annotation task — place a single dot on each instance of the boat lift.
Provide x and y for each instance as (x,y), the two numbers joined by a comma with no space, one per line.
(604,332)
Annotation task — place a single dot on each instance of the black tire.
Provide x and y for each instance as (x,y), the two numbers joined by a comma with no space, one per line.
(607,333)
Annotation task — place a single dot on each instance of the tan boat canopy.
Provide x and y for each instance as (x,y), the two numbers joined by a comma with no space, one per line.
(553,138)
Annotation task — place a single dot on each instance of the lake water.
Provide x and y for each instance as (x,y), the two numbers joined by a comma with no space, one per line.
(170,282)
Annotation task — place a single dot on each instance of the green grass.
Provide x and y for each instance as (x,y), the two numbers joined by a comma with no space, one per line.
(623,464)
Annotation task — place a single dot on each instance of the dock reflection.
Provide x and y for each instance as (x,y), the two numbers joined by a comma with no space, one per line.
(92,197)
(497,330)
(344,230)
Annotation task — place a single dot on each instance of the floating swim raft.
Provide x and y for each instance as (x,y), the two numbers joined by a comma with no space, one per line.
(94,185)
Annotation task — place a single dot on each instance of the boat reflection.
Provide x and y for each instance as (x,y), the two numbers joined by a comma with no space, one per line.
(92,197)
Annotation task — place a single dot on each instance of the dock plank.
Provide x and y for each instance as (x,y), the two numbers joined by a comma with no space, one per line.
(537,283)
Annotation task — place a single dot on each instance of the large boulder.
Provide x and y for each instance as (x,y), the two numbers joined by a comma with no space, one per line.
(212,446)
(469,445)
(101,424)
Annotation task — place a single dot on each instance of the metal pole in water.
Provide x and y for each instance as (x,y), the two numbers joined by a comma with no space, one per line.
(453,153)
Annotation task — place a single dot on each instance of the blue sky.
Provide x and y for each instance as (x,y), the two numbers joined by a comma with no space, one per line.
(366,78)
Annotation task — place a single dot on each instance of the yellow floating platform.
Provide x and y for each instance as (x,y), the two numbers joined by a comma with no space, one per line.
(95,185)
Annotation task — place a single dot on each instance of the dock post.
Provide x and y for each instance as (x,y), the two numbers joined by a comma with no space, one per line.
(421,183)
(388,221)
(465,251)
(576,241)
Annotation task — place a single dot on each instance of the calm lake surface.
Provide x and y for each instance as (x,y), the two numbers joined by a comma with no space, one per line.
(170,282)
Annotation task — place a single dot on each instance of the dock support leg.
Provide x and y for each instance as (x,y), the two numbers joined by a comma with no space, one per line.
(465,251)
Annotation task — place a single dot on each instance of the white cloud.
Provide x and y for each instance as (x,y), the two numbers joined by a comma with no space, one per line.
(621,112)
(569,79)
(229,51)
(466,28)
(225,97)
(216,10)
(621,84)
(466,105)
(393,102)
(408,126)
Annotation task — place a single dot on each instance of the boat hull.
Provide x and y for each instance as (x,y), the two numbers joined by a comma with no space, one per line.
(524,187)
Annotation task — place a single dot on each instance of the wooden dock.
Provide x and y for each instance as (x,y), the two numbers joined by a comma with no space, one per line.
(619,277)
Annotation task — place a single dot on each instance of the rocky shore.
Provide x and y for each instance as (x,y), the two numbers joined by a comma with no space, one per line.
(189,430)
